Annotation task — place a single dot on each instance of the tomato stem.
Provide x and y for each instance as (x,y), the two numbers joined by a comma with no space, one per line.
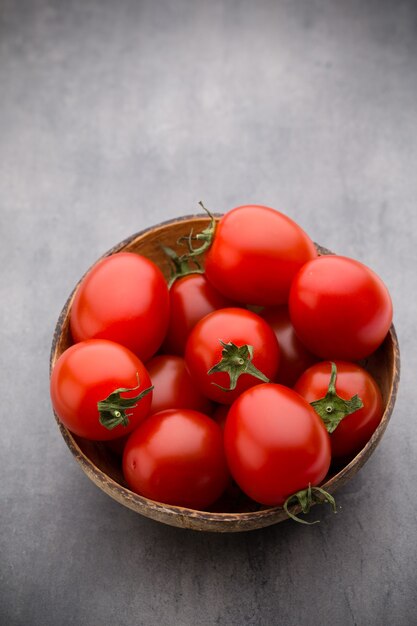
(180,265)
(112,410)
(236,361)
(305,499)
(186,264)
(332,408)
(206,236)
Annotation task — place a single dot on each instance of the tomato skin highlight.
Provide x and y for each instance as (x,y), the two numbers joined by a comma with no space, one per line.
(255,254)
(275,444)
(173,387)
(340,308)
(294,356)
(87,373)
(123,298)
(192,297)
(177,457)
(355,430)
(203,351)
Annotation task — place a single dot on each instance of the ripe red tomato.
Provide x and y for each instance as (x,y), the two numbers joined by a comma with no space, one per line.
(340,308)
(294,356)
(177,457)
(238,328)
(173,387)
(255,254)
(124,298)
(355,430)
(85,375)
(192,297)
(275,444)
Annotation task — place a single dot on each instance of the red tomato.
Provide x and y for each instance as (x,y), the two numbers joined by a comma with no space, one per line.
(87,373)
(192,297)
(124,298)
(340,308)
(173,387)
(294,356)
(355,430)
(204,351)
(275,444)
(177,457)
(255,254)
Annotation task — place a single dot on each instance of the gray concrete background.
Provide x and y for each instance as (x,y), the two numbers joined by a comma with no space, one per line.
(115,115)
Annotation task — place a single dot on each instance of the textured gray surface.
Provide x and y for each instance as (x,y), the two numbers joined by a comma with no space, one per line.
(117,115)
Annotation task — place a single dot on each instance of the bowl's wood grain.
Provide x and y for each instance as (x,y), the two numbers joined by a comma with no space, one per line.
(102,466)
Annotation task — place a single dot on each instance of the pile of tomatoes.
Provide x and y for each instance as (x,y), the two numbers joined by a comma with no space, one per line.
(242,372)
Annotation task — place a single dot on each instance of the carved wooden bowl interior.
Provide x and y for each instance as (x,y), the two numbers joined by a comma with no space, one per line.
(103,466)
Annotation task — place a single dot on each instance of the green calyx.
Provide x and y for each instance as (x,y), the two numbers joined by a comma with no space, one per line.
(181,265)
(205,237)
(235,361)
(112,410)
(332,408)
(305,499)
(187,263)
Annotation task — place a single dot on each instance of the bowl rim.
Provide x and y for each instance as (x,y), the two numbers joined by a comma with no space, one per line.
(172,514)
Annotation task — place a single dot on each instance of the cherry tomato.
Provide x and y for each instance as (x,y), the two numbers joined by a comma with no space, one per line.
(294,356)
(340,308)
(173,387)
(177,457)
(192,297)
(255,254)
(124,298)
(275,444)
(237,329)
(86,374)
(355,430)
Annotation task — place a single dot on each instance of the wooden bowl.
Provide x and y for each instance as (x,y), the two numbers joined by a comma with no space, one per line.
(103,466)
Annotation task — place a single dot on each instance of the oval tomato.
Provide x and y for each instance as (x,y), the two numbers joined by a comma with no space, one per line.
(255,254)
(192,297)
(237,329)
(340,308)
(124,298)
(355,430)
(173,387)
(276,444)
(177,457)
(294,356)
(88,373)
